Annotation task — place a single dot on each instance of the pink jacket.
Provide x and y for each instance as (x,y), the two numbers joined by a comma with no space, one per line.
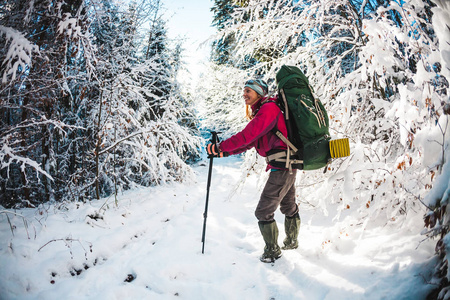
(258,132)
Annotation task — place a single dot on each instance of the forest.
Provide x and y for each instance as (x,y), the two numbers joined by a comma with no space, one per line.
(91,102)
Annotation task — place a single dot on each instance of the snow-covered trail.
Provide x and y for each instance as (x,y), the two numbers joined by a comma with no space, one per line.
(150,248)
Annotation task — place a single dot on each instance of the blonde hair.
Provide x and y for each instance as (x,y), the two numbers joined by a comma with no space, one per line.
(248,112)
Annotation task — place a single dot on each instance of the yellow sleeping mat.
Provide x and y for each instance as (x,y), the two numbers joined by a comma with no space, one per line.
(339,148)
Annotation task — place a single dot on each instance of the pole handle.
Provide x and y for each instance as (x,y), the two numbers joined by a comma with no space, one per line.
(214,140)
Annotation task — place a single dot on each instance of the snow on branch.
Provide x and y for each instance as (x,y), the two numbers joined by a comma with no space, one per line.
(19,53)
(69,26)
(9,156)
(33,123)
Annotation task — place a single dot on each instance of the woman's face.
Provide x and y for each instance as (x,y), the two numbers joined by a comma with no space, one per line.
(250,96)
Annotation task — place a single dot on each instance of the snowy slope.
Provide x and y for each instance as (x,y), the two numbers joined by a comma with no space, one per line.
(150,248)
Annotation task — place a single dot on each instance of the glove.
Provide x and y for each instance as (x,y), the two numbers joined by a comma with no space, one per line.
(213,150)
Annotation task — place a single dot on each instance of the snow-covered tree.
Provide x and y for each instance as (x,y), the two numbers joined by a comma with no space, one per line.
(138,140)
(42,41)
(85,110)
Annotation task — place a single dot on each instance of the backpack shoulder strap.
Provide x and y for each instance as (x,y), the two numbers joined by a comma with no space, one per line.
(284,139)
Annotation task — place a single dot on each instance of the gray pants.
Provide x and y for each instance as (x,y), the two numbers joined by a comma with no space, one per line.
(279,191)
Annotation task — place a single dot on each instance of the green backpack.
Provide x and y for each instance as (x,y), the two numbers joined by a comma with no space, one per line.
(306,121)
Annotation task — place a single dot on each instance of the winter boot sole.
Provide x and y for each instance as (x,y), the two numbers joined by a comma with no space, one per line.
(269,260)
(289,247)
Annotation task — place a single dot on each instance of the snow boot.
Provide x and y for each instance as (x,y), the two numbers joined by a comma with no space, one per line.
(292,227)
(269,231)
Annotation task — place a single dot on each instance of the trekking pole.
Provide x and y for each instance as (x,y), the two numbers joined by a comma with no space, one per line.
(208,184)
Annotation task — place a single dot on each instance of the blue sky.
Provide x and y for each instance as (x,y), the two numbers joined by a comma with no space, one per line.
(190,20)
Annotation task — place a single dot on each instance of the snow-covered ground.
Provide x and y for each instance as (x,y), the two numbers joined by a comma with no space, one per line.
(150,248)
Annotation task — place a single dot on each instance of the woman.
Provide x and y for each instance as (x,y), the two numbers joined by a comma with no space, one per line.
(280,187)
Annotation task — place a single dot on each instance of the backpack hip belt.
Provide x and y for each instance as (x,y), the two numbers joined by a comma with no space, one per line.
(284,159)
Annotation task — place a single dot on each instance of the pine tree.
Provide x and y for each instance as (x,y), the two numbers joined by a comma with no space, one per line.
(139,138)
(223,47)
(157,52)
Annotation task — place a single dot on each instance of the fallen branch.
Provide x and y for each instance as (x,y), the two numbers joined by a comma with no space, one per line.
(68,242)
